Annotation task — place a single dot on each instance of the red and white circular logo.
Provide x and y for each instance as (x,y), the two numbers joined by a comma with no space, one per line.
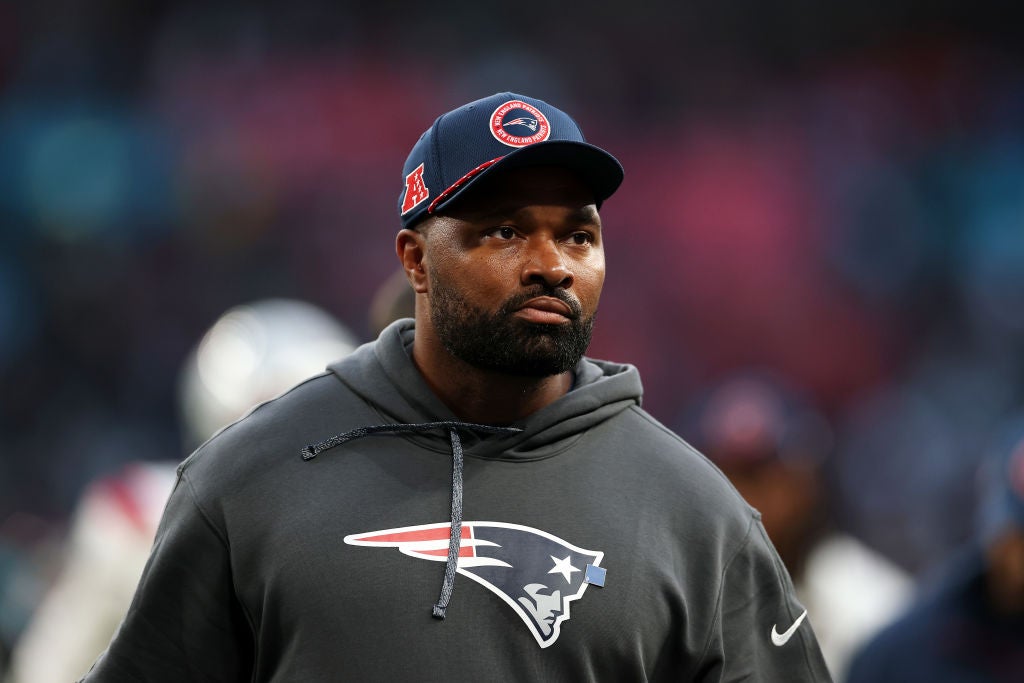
(518,124)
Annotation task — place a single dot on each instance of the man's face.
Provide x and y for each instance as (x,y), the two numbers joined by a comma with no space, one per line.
(515,272)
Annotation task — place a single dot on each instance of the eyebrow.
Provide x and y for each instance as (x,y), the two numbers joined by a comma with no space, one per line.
(579,216)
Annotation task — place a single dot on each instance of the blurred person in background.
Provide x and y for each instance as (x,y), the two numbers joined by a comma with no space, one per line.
(252,353)
(774,445)
(967,626)
(393,300)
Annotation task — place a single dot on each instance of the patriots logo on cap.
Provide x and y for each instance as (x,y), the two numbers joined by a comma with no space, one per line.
(532,124)
(535,573)
(516,114)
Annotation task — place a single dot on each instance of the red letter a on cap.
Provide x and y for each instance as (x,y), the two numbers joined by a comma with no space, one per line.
(415,190)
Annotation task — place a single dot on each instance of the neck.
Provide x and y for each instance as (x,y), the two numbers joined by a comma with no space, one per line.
(482,396)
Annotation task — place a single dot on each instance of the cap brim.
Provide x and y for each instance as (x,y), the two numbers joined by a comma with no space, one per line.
(597,168)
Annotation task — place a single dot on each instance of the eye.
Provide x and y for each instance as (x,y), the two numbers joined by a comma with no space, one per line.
(582,238)
(504,232)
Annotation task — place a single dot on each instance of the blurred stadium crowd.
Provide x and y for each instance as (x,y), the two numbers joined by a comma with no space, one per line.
(832,198)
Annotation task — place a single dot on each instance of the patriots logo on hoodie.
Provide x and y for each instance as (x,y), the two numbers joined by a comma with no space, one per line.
(535,573)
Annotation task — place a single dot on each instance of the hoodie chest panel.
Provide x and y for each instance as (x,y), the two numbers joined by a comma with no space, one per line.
(520,603)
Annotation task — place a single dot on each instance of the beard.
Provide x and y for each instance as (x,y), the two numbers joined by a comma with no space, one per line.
(500,342)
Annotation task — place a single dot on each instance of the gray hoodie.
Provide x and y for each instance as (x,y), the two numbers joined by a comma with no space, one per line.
(591,543)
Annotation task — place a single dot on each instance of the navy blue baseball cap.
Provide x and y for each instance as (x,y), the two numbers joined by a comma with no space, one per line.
(502,131)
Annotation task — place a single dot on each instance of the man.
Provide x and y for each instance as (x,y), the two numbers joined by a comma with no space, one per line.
(474,456)
(968,623)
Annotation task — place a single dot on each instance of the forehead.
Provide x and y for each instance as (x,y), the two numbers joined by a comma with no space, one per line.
(515,188)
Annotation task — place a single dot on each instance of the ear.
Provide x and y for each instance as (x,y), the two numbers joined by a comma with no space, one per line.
(410,245)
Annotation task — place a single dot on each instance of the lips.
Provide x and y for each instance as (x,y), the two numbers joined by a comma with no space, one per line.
(549,305)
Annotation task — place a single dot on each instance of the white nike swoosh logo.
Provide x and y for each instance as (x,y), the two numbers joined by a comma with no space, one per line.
(781,639)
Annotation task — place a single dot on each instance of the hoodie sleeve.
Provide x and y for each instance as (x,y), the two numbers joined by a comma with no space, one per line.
(761,632)
(184,623)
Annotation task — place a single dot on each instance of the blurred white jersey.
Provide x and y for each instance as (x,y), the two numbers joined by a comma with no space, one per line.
(111,535)
(850,592)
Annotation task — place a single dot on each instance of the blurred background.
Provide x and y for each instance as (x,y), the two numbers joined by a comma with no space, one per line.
(831,195)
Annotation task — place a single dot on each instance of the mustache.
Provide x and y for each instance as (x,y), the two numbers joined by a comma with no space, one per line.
(516,302)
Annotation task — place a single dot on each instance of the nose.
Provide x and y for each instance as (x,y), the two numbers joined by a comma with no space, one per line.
(546,264)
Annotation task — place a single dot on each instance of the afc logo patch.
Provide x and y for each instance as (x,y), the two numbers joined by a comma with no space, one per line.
(416,191)
(535,573)
(518,124)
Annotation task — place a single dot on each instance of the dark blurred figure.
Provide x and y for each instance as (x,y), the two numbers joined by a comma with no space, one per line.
(774,446)
(393,300)
(968,624)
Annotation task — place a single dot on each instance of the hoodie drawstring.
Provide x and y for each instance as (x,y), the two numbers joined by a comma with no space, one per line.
(455,531)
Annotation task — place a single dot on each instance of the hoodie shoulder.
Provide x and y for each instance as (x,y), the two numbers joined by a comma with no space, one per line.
(672,465)
(269,439)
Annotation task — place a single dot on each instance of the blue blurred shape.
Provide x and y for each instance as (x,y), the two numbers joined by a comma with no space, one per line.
(992,273)
(79,176)
(86,171)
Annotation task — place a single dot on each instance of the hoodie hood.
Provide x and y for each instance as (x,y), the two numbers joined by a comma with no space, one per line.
(383,375)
